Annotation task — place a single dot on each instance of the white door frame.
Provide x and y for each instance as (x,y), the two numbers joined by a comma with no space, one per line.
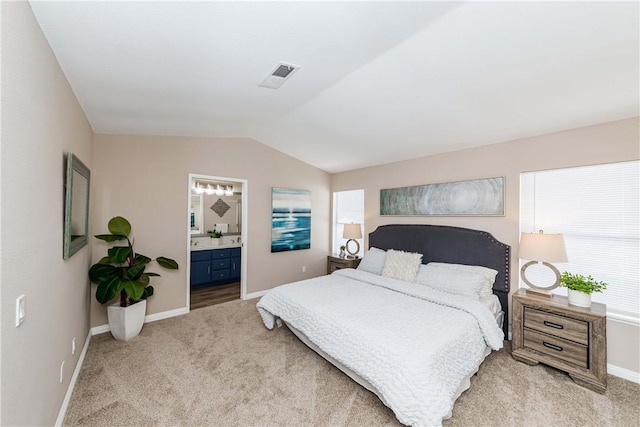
(244,233)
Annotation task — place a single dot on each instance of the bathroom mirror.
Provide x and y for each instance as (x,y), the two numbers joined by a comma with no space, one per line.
(212,204)
(76,206)
(196,214)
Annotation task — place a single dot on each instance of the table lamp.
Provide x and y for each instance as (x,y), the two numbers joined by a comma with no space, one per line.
(544,248)
(352,231)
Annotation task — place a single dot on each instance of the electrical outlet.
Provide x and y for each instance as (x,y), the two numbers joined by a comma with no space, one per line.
(73,346)
(61,372)
(304,268)
(21,310)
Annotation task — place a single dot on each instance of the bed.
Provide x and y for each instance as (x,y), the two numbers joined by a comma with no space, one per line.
(414,339)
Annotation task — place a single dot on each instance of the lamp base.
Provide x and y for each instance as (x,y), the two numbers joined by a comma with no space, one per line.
(352,254)
(536,290)
(538,293)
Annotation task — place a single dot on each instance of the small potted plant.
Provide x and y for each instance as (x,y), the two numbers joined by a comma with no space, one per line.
(342,251)
(122,273)
(580,288)
(215,237)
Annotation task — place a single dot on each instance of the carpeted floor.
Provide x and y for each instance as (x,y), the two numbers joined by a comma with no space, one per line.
(219,366)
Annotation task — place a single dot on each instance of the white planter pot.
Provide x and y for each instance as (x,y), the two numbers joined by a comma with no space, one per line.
(126,322)
(579,298)
(215,241)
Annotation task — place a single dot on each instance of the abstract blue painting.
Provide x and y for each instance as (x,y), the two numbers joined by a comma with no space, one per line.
(290,219)
(475,197)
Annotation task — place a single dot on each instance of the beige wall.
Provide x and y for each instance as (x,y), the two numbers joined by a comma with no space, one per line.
(41,120)
(145,179)
(608,142)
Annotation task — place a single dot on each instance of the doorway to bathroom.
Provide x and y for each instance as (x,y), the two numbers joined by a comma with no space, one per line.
(216,238)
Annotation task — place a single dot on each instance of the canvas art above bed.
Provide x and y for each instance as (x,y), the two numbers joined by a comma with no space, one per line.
(478,197)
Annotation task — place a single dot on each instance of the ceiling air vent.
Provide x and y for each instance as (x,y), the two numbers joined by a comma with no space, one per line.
(279,75)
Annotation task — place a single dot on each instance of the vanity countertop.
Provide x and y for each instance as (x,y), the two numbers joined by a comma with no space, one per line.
(207,247)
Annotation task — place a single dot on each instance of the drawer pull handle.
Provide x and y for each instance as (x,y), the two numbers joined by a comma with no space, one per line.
(553,325)
(552,346)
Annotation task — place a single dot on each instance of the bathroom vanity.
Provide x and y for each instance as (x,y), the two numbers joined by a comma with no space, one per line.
(211,266)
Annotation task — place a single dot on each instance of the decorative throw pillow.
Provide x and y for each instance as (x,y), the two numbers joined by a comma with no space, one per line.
(467,283)
(373,261)
(402,265)
(488,274)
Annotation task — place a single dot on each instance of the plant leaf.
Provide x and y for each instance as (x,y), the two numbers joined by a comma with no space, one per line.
(119,225)
(118,254)
(133,289)
(133,273)
(102,273)
(104,260)
(107,290)
(142,259)
(144,279)
(110,237)
(148,291)
(167,263)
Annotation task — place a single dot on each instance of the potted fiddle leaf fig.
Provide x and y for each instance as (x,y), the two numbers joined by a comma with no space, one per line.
(580,288)
(122,274)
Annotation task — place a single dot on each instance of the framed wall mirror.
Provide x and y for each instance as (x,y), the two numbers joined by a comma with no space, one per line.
(76,205)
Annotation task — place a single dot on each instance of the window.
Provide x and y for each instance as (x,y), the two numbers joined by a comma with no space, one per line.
(596,208)
(348,207)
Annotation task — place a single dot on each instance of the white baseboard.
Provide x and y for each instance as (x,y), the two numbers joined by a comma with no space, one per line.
(253,295)
(166,314)
(96,330)
(623,373)
(72,383)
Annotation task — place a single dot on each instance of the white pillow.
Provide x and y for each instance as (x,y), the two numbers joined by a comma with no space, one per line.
(402,265)
(488,274)
(373,261)
(451,280)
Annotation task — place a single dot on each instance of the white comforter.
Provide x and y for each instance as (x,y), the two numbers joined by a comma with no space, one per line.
(414,344)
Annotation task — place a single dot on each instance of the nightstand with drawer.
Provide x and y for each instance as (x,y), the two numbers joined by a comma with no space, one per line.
(334,263)
(567,337)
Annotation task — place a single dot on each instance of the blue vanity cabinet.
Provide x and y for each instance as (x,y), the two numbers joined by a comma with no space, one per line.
(200,268)
(220,268)
(235,264)
(214,266)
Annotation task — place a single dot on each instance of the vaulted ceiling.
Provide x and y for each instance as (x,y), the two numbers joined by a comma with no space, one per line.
(378,81)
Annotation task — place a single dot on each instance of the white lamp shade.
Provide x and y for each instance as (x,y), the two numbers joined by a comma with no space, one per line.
(542,247)
(352,231)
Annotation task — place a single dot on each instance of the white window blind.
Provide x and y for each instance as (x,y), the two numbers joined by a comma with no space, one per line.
(348,207)
(597,210)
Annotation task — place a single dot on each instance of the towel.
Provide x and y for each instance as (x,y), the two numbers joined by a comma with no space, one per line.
(222,228)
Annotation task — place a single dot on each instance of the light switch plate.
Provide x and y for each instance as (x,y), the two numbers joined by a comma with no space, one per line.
(21,310)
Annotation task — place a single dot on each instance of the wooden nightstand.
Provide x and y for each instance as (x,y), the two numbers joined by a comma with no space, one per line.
(567,337)
(334,263)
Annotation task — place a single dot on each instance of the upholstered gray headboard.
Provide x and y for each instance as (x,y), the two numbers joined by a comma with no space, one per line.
(439,243)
